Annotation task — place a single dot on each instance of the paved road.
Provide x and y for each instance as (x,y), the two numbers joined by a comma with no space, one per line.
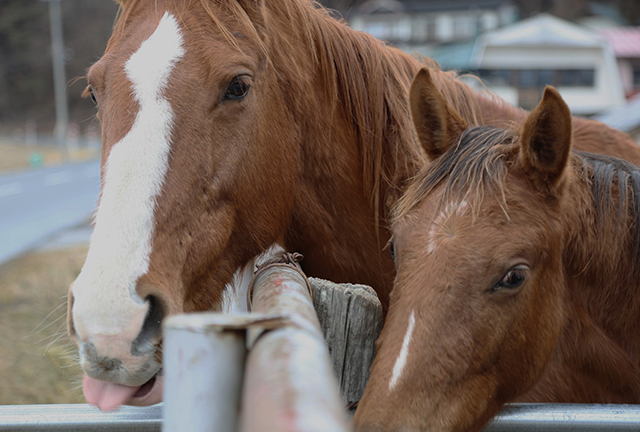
(34,205)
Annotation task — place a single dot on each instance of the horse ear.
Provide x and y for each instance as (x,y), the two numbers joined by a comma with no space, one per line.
(546,139)
(438,125)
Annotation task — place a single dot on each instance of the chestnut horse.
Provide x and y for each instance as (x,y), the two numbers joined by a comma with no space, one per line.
(229,126)
(517,274)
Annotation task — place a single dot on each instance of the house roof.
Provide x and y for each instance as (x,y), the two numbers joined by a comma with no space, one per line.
(624,40)
(413,6)
(543,30)
(626,118)
(458,55)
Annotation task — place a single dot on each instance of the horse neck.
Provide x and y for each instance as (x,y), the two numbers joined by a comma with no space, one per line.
(348,95)
(356,88)
(601,260)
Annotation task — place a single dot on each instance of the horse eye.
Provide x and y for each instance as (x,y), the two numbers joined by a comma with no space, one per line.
(392,251)
(513,279)
(92,95)
(237,89)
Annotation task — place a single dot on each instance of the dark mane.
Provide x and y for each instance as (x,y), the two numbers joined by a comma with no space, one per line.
(369,82)
(478,160)
(615,183)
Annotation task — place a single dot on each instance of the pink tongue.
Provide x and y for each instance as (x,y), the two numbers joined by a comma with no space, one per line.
(106,396)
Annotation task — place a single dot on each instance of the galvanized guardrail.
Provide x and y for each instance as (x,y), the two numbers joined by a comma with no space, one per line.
(79,418)
(514,418)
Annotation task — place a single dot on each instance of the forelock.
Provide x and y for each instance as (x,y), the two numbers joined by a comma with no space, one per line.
(475,163)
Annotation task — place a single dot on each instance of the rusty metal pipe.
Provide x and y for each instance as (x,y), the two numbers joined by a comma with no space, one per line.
(289,380)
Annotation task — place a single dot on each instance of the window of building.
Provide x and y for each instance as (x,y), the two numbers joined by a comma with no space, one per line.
(495,77)
(489,21)
(577,78)
(636,77)
(539,78)
(420,29)
(463,27)
(528,78)
(377,29)
(536,78)
(401,30)
(444,28)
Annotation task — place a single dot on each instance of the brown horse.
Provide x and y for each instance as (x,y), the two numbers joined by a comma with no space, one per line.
(228,126)
(517,274)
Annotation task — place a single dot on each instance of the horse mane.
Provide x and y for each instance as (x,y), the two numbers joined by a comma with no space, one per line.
(370,82)
(475,160)
(605,174)
(479,161)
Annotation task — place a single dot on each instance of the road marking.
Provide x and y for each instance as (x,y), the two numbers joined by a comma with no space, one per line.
(58,178)
(10,189)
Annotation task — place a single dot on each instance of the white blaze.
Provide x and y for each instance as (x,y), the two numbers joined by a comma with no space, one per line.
(105,301)
(401,361)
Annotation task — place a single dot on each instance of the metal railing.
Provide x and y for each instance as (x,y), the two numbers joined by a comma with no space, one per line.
(514,418)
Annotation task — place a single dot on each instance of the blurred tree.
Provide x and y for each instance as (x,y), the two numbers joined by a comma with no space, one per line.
(25,62)
(26,76)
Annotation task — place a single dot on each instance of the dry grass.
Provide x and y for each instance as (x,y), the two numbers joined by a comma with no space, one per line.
(15,156)
(37,361)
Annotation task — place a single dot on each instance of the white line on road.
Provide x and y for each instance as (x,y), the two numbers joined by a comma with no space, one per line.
(10,189)
(58,178)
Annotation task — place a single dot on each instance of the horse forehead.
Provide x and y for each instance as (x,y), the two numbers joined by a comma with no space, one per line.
(446,225)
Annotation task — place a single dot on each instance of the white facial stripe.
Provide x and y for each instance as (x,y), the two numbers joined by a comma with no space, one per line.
(234,296)
(104,292)
(440,222)
(401,361)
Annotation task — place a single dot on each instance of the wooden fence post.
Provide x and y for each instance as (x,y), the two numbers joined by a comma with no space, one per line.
(351,319)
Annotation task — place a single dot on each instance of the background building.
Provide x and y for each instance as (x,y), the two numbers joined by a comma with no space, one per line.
(414,25)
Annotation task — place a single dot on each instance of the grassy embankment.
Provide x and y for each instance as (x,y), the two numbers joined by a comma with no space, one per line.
(37,361)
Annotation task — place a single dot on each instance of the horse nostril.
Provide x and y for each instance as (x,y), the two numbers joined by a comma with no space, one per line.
(151,328)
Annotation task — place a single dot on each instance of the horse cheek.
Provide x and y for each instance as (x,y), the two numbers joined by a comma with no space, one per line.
(533,340)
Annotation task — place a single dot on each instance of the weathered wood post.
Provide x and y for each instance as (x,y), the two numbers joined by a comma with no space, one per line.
(351,320)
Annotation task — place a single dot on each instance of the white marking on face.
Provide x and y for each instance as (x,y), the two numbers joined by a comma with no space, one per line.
(105,298)
(401,361)
(234,296)
(441,224)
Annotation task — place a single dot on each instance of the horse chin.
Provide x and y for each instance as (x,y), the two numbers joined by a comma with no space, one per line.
(149,393)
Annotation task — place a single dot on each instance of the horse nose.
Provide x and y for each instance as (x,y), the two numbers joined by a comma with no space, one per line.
(151,329)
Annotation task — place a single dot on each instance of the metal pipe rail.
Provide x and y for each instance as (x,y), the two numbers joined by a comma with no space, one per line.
(285,381)
(79,418)
(514,418)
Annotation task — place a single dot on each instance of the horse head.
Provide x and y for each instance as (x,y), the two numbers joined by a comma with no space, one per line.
(198,167)
(476,308)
